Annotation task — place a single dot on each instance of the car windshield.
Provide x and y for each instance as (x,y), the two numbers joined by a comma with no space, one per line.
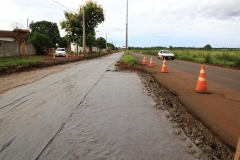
(60,49)
(167,52)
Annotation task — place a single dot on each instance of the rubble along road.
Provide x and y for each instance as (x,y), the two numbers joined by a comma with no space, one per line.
(219,111)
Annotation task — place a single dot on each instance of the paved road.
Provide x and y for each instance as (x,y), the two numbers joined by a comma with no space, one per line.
(228,78)
(219,110)
(86,112)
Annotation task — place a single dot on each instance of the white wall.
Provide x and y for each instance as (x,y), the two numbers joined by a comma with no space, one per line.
(74,48)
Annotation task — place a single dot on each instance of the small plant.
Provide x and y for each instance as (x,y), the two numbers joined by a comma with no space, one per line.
(237,64)
(207,58)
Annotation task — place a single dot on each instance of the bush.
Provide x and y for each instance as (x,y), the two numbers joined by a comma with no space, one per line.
(237,64)
(207,58)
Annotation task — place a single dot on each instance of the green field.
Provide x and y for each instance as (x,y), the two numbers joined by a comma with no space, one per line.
(14,60)
(230,57)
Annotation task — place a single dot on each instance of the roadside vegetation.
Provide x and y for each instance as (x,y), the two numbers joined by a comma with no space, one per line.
(128,59)
(15,61)
(221,57)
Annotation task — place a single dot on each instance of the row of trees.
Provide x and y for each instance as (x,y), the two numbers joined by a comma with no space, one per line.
(46,34)
(206,47)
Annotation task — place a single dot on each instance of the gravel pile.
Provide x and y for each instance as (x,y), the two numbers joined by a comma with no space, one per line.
(211,147)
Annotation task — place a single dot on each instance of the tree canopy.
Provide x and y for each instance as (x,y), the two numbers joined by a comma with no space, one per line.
(207,47)
(73,23)
(46,28)
(101,42)
(40,40)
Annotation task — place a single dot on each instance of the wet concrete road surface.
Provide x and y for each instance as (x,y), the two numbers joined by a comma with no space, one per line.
(86,112)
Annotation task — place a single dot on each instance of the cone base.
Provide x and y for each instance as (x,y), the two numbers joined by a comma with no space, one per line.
(202,92)
(164,72)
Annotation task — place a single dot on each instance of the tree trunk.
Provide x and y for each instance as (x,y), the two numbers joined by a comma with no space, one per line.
(90,49)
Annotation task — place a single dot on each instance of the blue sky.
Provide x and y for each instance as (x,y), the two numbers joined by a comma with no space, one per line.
(184,23)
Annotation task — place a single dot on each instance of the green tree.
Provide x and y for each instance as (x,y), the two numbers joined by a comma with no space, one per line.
(171,47)
(101,42)
(63,42)
(46,28)
(40,41)
(207,47)
(73,22)
(110,46)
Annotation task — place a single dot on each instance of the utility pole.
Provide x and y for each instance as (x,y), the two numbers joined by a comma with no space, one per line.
(127,29)
(84,36)
(106,42)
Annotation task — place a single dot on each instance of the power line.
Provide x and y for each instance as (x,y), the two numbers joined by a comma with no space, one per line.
(62,5)
(52,3)
(30,6)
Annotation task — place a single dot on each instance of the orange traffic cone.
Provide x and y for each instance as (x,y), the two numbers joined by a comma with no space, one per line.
(67,55)
(144,61)
(202,85)
(151,63)
(54,56)
(237,154)
(164,67)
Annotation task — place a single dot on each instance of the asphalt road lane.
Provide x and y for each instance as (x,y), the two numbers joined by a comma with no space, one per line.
(225,77)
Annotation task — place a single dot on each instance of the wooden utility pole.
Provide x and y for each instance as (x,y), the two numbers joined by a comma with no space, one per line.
(127,29)
(106,42)
(84,36)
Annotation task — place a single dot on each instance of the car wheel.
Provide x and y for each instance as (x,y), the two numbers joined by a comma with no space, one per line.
(172,58)
(158,57)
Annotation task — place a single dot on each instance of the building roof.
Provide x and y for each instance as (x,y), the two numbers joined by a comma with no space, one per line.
(4,33)
(7,33)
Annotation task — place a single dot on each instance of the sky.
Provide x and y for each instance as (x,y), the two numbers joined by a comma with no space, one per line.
(177,23)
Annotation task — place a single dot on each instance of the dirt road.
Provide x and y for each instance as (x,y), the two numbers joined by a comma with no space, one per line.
(219,110)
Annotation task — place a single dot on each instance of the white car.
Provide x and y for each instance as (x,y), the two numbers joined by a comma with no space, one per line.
(60,52)
(165,54)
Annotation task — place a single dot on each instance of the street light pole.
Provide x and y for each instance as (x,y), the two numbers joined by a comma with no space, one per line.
(127,29)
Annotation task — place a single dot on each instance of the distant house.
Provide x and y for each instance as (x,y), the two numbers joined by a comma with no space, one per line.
(74,48)
(10,40)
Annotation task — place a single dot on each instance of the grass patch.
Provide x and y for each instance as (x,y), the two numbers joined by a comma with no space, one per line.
(15,61)
(130,60)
